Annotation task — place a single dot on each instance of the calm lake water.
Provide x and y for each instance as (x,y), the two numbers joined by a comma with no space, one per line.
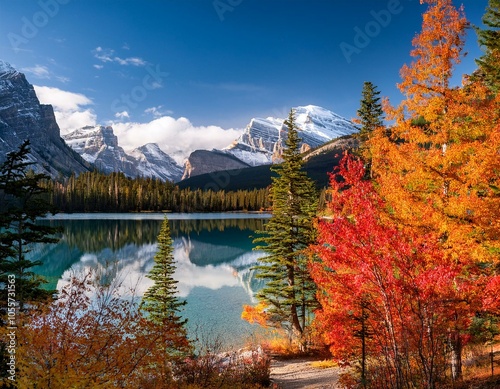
(213,254)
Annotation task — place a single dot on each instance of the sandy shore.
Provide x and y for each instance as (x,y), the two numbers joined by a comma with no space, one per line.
(299,374)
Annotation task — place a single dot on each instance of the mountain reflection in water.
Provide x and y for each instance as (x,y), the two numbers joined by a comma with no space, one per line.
(214,260)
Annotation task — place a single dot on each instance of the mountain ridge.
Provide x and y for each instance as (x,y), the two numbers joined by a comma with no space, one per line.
(263,140)
(316,126)
(261,143)
(318,163)
(99,145)
(23,117)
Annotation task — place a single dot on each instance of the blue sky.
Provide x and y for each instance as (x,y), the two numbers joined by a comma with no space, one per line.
(196,71)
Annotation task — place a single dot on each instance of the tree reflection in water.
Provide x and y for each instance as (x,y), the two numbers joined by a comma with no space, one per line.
(214,263)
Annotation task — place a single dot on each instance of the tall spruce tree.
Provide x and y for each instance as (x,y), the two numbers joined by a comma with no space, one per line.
(289,292)
(160,302)
(370,112)
(489,39)
(22,202)
(370,117)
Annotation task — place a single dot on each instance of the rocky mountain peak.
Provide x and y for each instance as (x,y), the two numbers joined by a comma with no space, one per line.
(263,139)
(99,145)
(154,162)
(7,71)
(23,117)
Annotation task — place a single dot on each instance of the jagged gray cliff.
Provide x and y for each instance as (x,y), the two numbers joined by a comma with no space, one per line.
(204,161)
(154,162)
(99,145)
(23,117)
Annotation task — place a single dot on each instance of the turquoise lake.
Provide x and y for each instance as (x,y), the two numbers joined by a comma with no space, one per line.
(213,252)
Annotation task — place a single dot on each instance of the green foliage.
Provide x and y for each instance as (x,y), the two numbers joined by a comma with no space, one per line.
(22,203)
(289,293)
(489,39)
(370,112)
(160,301)
(370,116)
(98,192)
(250,178)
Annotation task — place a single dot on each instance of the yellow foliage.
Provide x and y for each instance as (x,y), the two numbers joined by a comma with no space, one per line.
(255,314)
(325,364)
(281,345)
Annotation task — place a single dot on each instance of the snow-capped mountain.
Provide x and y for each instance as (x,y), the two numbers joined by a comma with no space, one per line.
(153,162)
(7,70)
(23,117)
(263,139)
(99,145)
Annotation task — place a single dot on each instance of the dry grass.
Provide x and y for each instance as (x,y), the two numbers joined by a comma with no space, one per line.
(324,364)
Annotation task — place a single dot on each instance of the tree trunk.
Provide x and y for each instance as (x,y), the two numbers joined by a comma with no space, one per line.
(297,328)
(363,344)
(456,357)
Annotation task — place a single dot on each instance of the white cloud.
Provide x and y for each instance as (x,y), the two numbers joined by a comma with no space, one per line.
(135,61)
(71,109)
(43,72)
(122,115)
(63,79)
(39,71)
(158,111)
(177,137)
(108,55)
(99,67)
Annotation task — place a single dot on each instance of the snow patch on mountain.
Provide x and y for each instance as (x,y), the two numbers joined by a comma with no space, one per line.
(6,70)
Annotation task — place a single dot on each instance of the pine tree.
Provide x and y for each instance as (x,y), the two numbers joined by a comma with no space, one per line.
(489,39)
(370,112)
(160,301)
(22,203)
(370,116)
(289,293)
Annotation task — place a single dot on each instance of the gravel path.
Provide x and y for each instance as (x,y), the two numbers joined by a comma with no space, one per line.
(299,374)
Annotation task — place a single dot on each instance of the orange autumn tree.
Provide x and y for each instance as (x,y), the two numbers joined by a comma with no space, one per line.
(439,170)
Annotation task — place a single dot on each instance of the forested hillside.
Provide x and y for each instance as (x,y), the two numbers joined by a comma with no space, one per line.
(98,192)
